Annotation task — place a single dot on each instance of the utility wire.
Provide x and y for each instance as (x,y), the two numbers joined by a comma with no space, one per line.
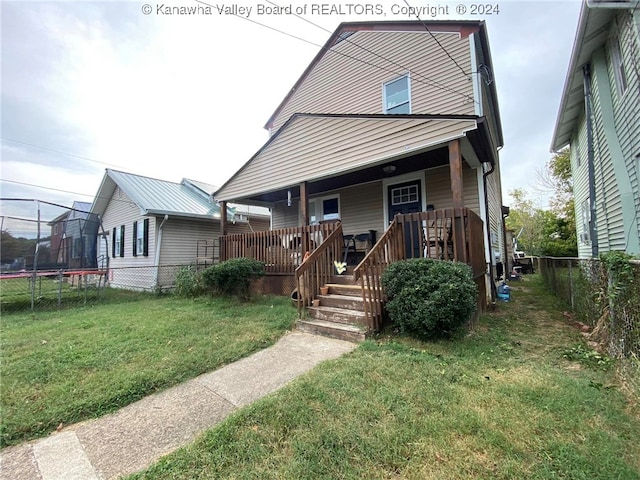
(59,152)
(437,41)
(329,49)
(430,81)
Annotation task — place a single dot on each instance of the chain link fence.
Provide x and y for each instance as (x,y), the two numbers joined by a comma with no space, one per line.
(41,290)
(606,301)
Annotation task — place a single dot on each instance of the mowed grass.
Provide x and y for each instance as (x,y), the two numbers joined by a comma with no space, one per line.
(518,398)
(65,366)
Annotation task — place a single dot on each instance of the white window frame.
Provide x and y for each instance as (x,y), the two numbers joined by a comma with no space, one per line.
(317,203)
(585,210)
(385,108)
(117,240)
(140,238)
(618,66)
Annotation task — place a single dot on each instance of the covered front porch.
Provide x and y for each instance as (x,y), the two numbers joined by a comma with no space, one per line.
(350,195)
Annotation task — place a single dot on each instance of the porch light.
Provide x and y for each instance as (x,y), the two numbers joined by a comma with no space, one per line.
(389,169)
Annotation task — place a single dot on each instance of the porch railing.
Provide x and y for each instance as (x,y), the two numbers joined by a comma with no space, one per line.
(454,234)
(316,270)
(281,250)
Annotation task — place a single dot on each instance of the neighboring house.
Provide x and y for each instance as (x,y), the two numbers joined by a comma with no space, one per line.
(599,118)
(148,224)
(58,253)
(389,118)
(73,237)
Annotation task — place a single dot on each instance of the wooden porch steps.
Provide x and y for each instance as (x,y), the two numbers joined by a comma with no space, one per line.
(340,313)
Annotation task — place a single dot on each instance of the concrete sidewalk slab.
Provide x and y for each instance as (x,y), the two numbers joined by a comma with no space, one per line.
(136,436)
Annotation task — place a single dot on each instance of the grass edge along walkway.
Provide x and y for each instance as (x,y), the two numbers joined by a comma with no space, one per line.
(66,366)
(514,399)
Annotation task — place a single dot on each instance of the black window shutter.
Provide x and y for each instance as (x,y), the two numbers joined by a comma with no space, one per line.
(146,237)
(135,239)
(113,243)
(122,241)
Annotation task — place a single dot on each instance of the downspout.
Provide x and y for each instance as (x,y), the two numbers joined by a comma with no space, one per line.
(156,261)
(593,231)
(486,208)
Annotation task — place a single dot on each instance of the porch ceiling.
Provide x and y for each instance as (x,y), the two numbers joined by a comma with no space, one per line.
(330,151)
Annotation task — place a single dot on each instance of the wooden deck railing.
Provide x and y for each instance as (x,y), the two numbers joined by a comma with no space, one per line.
(281,250)
(316,270)
(447,234)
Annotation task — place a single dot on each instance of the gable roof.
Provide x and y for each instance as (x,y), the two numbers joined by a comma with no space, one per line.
(155,197)
(344,30)
(593,31)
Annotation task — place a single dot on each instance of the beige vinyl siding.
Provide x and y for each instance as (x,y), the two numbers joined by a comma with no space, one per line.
(438,188)
(180,237)
(341,84)
(283,216)
(315,147)
(361,208)
(494,194)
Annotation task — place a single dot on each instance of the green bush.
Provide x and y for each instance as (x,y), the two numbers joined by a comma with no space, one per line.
(234,276)
(188,282)
(429,298)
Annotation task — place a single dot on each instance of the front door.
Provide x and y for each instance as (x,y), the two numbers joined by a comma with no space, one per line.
(407,198)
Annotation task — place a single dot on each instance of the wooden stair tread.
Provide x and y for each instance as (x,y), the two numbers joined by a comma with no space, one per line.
(338,326)
(340,311)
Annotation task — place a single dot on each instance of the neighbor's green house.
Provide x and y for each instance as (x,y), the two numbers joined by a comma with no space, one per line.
(599,118)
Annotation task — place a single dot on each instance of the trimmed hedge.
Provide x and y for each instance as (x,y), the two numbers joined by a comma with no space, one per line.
(429,298)
(234,276)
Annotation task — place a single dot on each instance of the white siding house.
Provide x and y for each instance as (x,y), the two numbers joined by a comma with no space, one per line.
(150,227)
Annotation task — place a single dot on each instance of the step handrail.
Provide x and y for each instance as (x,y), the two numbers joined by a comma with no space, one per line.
(388,249)
(316,269)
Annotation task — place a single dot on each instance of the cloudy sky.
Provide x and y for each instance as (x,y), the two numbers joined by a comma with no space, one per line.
(94,85)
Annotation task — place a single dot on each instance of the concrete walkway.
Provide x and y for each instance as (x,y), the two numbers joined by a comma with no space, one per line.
(133,438)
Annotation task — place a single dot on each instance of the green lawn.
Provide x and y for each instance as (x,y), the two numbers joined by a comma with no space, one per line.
(70,365)
(519,398)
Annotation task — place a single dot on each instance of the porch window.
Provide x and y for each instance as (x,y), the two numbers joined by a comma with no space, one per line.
(618,67)
(402,195)
(396,96)
(326,208)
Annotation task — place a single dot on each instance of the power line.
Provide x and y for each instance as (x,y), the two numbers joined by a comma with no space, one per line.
(434,37)
(431,81)
(59,152)
(329,49)
(128,202)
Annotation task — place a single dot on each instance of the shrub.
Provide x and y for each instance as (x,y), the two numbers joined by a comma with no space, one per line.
(429,298)
(188,282)
(234,276)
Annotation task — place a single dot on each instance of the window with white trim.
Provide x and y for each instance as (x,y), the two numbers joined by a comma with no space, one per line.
(397,96)
(117,241)
(141,238)
(618,66)
(325,208)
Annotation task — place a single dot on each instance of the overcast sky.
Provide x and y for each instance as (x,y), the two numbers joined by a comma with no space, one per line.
(94,85)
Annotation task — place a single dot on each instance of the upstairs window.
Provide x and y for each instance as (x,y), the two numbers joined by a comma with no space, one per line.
(618,67)
(396,96)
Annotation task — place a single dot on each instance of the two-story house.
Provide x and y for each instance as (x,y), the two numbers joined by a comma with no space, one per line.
(599,118)
(390,119)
